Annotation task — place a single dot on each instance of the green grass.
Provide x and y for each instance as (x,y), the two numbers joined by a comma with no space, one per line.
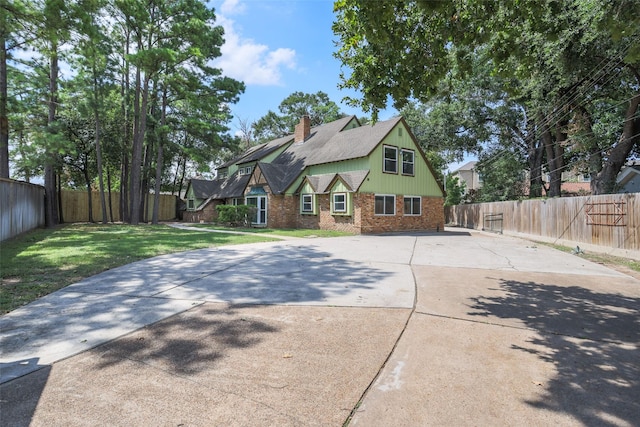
(608,260)
(289,232)
(45,260)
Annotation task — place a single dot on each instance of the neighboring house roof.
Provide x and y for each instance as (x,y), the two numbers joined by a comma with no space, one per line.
(467,166)
(627,175)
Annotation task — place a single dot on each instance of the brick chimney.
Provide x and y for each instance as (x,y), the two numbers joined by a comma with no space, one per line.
(303,129)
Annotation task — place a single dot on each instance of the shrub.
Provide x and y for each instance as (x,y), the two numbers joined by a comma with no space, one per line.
(235,215)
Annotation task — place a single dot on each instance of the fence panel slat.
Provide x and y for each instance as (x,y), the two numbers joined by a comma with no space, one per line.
(565,218)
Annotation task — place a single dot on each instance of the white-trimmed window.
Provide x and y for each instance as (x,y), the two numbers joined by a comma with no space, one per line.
(339,202)
(412,205)
(385,204)
(390,161)
(408,157)
(306,203)
(191,204)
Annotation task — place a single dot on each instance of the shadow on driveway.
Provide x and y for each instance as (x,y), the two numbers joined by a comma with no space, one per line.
(593,339)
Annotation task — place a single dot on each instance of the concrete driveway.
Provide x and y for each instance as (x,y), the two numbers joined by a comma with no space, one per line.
(454,328)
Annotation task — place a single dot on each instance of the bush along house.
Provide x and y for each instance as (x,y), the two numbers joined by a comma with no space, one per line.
(338,176)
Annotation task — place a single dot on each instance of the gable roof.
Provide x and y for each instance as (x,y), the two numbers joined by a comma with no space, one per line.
(258,152)
(627,174)
(323,183)
(328,143)
(203,188)
(232,186)
(467,166)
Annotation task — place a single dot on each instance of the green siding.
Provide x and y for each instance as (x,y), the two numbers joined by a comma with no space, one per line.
(272,156)
(196,202)
(353,123)
(423,183)
(345,166)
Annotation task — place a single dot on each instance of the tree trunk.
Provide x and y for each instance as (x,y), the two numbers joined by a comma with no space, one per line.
(605,180)
(103,204)
(553,163)
(159,159)
(140,113)
(109,192)
(59,186)
(535,153)
(182,176)
(51,204)
(126,135)
(87,179)
(4,120)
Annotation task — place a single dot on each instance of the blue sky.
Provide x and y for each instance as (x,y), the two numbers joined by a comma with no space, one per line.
(277,47)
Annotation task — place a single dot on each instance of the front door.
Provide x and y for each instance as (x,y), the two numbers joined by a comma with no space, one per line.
(260,203)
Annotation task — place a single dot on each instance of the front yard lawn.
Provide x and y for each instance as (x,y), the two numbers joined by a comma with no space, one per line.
(45,260)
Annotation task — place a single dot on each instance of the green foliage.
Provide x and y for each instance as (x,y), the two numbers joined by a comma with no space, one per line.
(503,73)
(455,189)
(503,177)
(318,107)
(235,215)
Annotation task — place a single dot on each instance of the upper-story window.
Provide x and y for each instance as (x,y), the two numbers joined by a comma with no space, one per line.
(408,157)
(191,204)
(390,159)
(245,171)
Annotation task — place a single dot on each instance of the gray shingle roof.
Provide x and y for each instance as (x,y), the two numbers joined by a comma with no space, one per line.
(326,143)
(322,183)
(330,143)
(258,152)
(203,188)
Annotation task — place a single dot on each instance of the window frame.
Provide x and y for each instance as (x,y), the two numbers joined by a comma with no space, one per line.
(344,202)
(412,163)
(384,204)
(412,198)
(191,204)
(311,202)
(384,159)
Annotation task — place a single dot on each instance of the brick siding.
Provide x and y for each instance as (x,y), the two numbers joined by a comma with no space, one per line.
(207,214)
(431,218)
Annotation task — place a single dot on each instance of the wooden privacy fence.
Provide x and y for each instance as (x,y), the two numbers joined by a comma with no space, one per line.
(75,206)
(611,220)
(21,207)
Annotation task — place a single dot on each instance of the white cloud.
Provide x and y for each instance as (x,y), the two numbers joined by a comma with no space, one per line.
(251,62)
(230,7)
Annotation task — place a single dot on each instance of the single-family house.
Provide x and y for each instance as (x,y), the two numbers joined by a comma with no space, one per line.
(468,174)
(628,180)
(340,175)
